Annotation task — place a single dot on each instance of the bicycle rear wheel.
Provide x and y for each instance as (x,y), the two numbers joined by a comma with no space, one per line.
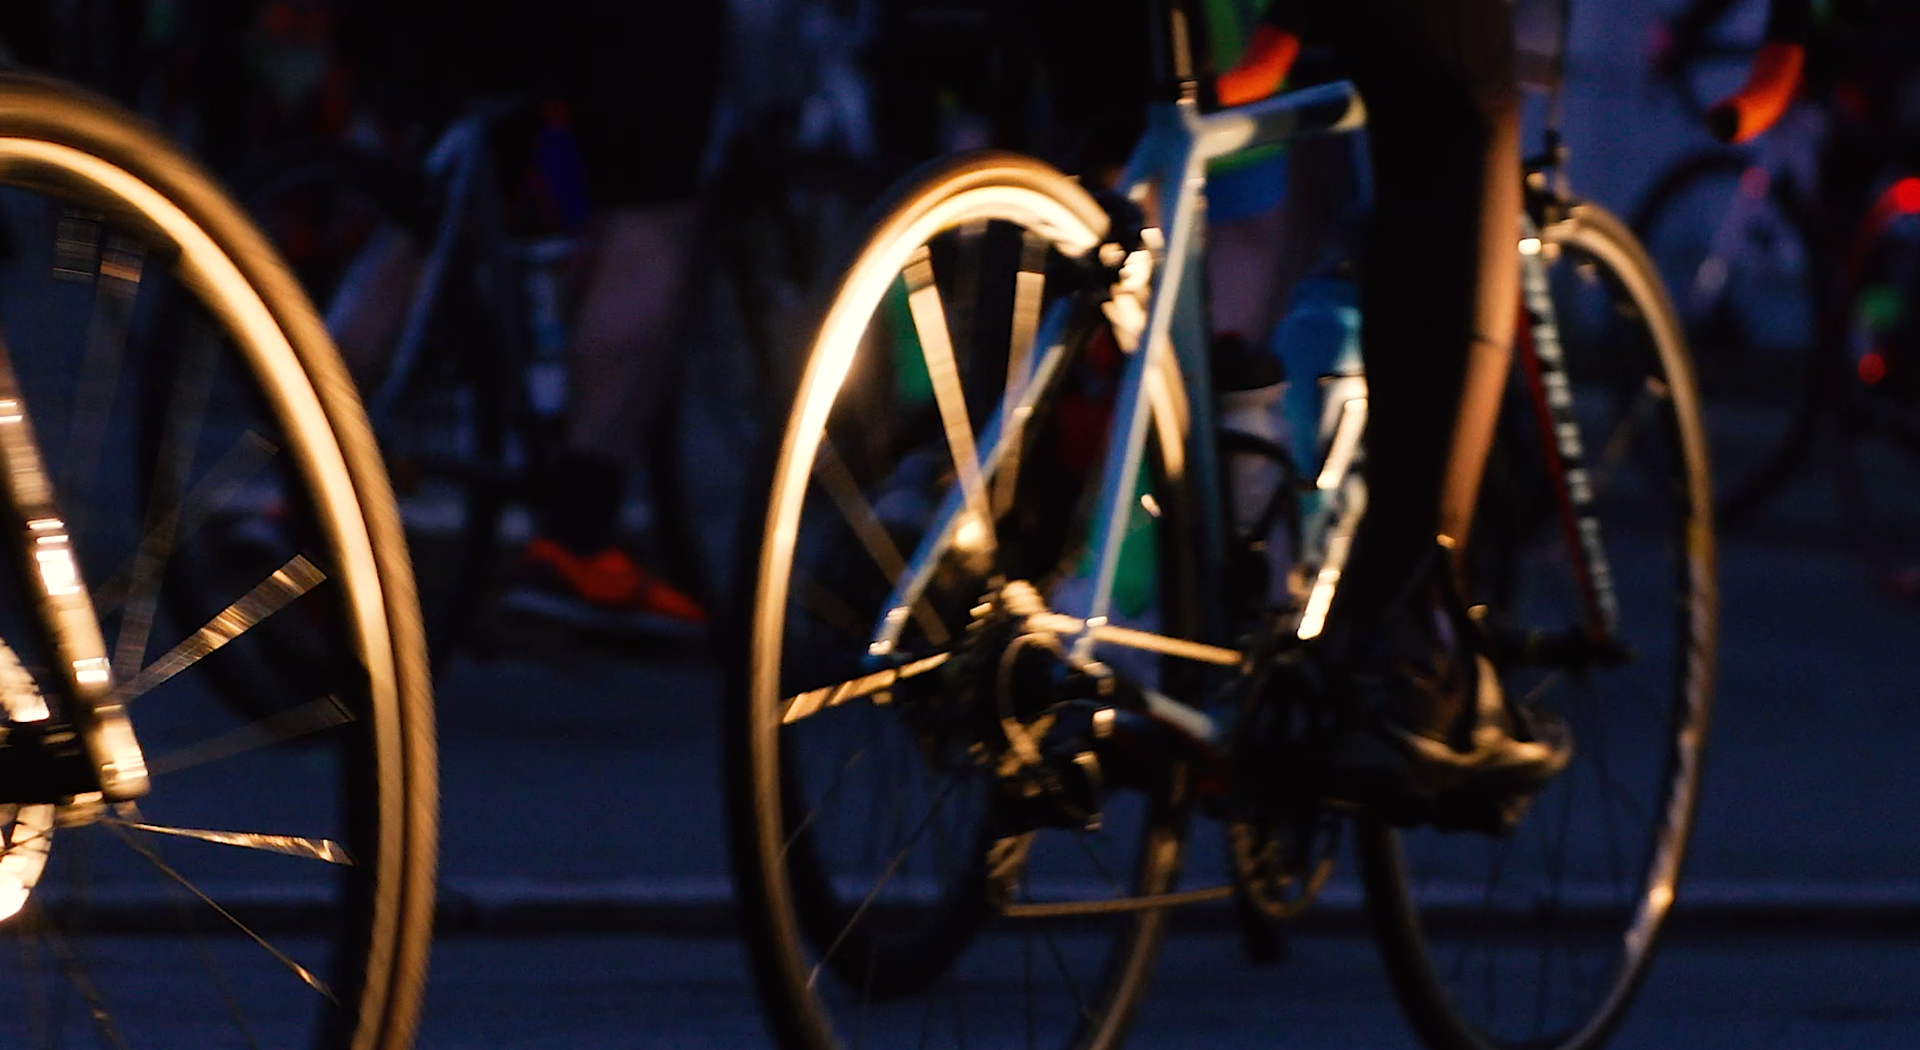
(276,884)
(874,850)
(1539,939)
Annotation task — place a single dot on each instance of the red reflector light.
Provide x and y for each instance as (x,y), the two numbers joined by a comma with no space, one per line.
(1873,368)
(1906,195)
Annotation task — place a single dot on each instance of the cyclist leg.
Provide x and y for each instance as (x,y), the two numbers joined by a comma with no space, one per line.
(1439,296)
(642,89)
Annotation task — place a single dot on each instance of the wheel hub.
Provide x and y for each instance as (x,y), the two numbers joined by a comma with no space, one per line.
(26,827)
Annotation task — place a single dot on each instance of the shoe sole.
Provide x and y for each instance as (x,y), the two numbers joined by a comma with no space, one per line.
(570,612)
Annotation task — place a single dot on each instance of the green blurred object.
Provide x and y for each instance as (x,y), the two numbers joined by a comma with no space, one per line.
(1136,579)
(911,383)
(1879,308)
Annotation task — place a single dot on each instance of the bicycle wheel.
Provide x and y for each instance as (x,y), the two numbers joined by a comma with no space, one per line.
(1540,938)
(275,886)
(359,235)
(879,867)
(1883,326)
(1742,260)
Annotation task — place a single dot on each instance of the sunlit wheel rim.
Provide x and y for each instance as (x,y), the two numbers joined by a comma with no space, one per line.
(1074,231)
(1425,983)
(309,428)
(1014,192)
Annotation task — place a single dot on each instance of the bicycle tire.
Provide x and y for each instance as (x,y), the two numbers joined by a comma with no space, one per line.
(1755,314)
(353,768)
(1589,915)
(834,967)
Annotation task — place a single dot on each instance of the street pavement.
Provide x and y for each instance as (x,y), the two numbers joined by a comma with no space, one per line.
(585,900)
(611,992)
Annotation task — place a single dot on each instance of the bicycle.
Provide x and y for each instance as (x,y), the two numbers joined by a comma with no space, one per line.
(177,867)
(469,398)
(996,529)
(1796,324)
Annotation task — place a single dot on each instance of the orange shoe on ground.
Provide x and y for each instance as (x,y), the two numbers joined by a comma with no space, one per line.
(605,590)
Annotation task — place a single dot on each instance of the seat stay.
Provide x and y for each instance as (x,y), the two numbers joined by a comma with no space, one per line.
(1169,160)
(939,537)
(456,161)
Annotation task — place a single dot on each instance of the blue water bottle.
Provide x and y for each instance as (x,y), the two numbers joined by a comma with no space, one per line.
(1318,342)
(1318,339)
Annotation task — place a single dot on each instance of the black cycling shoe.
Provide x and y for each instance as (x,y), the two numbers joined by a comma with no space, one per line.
(1430,737)
(1477,771)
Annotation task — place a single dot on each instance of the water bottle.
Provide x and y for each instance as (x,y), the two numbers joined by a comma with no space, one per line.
(1318,343)
(1247,380)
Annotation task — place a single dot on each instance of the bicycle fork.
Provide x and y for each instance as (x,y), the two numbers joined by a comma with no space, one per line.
(38,759)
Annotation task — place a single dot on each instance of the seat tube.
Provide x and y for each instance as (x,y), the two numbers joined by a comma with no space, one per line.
(1166,171)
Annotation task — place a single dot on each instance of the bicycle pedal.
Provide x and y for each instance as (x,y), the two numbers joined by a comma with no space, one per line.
(1063,790)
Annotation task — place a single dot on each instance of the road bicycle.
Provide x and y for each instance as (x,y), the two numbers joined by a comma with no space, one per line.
(468,399)
(999,660)
(1792,284)
(178,868)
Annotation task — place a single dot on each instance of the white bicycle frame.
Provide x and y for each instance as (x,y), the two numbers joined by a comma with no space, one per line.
(1166,343)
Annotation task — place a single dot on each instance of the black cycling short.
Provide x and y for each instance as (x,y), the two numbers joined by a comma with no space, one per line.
(640,76)
(1439,293)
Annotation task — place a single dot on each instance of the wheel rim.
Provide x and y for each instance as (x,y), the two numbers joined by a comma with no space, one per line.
(879,899)
(1539,939)
(247,930)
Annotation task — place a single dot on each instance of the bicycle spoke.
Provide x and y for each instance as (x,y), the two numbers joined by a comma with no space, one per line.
(116,285)
(248,454)
(314,716)
(306,976)
(936,346)
(824,605)
(813,701)
(1066,975)
(219,976)
(1029,290)
(290,581)
(287,845)
(1099,862)
(886,876)
(858,514)
(833,790)
(1615,451)
(77,976)
(1596,747)
(185,412)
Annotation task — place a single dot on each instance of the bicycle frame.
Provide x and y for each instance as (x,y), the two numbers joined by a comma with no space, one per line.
(1166,343)
(460,163)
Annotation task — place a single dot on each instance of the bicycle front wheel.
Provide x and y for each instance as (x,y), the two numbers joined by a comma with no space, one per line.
(1740,255)
(1604,617)
(946,436)
(275,885)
